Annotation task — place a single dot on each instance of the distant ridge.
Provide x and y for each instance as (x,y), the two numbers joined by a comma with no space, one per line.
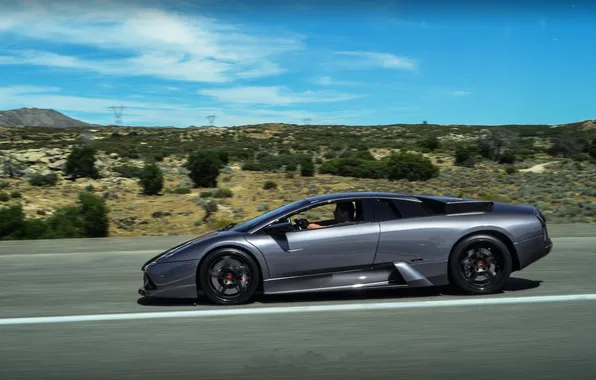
(39,117)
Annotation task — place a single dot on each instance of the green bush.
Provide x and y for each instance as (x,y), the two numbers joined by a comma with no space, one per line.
(353,167)
(270,185)
(465,155)
(181,190)
(307,167)
(80,163)
(4,197)
(410,166)
(508,157)
(592,149)
(128,171)
(431,143)
(510,169)
(151,179)
(204,168)
(50,179)
(222,193)
(94,212)
(87,219)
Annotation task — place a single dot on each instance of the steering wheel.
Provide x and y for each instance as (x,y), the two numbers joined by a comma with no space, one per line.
(301,223)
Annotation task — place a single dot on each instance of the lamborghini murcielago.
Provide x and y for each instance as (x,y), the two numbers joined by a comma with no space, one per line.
(383,240)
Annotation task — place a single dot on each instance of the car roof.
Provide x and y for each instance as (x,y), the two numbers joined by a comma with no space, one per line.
(358,194)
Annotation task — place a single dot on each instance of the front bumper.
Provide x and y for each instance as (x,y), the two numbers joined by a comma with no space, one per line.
(148,287)
(170,280)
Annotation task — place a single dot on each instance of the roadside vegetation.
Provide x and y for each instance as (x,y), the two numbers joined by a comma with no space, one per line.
(147,181)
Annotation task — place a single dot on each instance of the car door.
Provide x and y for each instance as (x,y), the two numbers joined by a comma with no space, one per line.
(407,232)
(318,251)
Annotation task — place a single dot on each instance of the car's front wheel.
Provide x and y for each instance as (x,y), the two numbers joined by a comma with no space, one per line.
(229,277)
(480,264)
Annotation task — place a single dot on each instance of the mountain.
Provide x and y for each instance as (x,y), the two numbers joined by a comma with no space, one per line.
(37,117)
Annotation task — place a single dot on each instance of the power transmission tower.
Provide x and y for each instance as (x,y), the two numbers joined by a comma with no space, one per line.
(117,113)
(306,121)
(211,119)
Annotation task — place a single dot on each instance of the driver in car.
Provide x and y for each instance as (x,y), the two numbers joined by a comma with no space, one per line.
(343,213)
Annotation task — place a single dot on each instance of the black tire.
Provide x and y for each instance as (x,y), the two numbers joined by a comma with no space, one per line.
(494,252)
(239,262)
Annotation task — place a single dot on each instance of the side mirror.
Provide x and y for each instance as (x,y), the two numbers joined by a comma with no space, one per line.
(279,228)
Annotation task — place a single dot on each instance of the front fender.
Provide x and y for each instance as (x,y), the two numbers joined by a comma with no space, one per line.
(198,250)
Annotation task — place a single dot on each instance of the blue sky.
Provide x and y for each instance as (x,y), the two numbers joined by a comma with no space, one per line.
(349,62)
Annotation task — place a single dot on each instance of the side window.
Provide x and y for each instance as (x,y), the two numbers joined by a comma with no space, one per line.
(409,209)
(385,210)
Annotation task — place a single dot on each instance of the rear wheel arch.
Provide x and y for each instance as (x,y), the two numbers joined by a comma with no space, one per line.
(230,247)
(498,238)
(496,234)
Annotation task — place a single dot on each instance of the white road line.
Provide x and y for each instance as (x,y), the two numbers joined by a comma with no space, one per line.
(224,312)
(52,254)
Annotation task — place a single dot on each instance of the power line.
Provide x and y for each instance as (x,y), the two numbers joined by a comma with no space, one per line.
(306,120)
(211,119)
(117,110)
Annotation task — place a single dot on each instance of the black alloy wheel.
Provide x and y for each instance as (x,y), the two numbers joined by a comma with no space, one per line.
(480,264)
(229,277)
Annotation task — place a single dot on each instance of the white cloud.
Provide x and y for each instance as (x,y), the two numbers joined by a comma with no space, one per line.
(151,113)
(461,93)
(328,81)
(148,41)
(377,60)
(272,95)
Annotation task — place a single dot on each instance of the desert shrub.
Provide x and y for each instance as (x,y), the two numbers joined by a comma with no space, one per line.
(89,218)
(510,169)
(410,166)
(465,155)
(4,185)
(566,147)
(128,171)
(4,197)
(592,149)
(307,167)
(80,163)
(431,143)
(210,208)
(151,179)
(204,168)
(94,212)
(353,167)
(222,193)
(66,222)
(508,157)
(267,162)
(181,190)
(363,154)
(15,194)
(50,179)
(269,185)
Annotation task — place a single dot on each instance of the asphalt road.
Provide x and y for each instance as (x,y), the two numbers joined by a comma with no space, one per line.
(81,277)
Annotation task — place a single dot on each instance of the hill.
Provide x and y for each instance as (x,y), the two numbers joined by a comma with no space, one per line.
(263,167)
(37,117)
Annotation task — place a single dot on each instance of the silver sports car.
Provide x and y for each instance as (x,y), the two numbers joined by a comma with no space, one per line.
(368,240)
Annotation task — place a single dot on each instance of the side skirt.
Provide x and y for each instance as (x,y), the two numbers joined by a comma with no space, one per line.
(387,275)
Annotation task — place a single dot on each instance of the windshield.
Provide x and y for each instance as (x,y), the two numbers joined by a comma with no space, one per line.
(273,214)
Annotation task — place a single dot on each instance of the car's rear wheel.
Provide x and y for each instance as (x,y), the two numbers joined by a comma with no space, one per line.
(229,277)
(480,264)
